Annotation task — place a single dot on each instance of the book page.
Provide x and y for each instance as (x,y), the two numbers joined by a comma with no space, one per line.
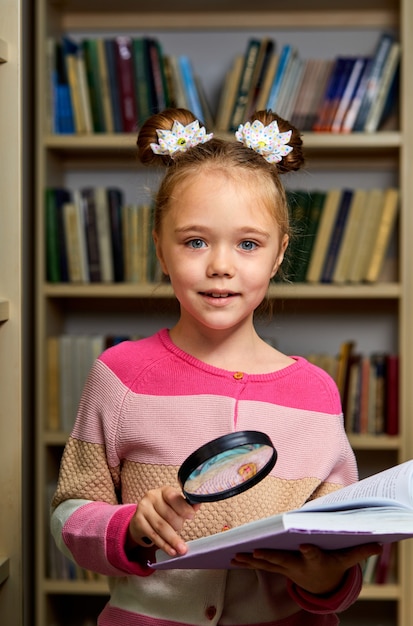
(390,487)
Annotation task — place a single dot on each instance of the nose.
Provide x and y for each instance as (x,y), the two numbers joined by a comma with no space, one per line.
(220,262)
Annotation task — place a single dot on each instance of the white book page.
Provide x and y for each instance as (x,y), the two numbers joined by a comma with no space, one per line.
(392,487)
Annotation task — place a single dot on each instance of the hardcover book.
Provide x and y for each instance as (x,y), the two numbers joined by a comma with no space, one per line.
(376,509)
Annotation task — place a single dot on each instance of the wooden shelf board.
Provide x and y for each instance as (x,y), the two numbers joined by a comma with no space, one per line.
(358,442)
(127,142)
(4,310)
(3,51)
(4,569)
(380,592)
(75,587)
(374,442)
(379,291)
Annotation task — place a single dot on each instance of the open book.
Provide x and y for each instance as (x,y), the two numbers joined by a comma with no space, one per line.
(377,508)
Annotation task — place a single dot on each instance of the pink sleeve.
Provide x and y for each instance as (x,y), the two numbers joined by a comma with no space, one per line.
(96,534)
(336,602)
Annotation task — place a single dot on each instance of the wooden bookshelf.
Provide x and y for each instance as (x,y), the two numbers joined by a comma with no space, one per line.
(65,307)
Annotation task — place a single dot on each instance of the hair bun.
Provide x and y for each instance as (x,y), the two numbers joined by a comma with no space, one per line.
(148,135)
(295,159)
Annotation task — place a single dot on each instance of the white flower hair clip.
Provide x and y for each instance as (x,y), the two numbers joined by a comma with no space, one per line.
(266,140)
(180,138)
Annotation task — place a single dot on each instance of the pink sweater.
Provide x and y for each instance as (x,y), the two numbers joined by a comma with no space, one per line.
(145,407)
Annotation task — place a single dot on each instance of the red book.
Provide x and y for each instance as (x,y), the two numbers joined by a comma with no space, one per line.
(124,62)
(392,394)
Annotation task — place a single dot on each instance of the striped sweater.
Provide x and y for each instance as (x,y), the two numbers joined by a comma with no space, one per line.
(145,407)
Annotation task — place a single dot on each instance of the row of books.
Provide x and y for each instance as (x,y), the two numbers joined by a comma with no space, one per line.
(99,85)
(93,236)
(369,388)
(69,360)
(340,236)
(344,94)
(112,85)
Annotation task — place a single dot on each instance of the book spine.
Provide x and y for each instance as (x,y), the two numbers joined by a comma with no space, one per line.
(376,70)
(126,83)
(250,59)
(337,235)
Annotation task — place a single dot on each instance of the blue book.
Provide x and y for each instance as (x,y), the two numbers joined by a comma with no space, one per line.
(336,236)
(373,81)
(285,55)
(190,87)
(64,118)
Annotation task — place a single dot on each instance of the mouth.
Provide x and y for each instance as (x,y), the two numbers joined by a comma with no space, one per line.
(217,295)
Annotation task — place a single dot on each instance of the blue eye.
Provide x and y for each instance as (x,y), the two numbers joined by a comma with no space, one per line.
(196,243)
(248,245)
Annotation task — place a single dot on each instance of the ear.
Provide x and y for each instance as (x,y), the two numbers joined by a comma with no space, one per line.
(158,249)
(280,255)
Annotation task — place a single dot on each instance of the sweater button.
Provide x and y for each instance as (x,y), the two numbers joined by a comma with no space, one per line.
(239,375)
(210,612)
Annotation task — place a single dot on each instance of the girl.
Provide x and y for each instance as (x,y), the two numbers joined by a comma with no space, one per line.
(221,231)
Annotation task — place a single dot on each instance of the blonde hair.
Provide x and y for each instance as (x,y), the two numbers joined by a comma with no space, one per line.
(230,157)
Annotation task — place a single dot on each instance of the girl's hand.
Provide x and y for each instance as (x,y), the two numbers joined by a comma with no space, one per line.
(317,571)
(159,516)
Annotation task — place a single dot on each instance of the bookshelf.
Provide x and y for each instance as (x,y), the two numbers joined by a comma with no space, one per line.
(67,308)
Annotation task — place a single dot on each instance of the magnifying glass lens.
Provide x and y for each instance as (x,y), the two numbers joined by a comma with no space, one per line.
(227,466)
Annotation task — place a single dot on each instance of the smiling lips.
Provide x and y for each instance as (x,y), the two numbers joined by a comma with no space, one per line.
(217,295)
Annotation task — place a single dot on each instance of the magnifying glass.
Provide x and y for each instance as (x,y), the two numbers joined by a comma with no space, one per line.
(227,466)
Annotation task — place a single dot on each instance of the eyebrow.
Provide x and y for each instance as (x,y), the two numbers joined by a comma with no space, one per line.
(247,230)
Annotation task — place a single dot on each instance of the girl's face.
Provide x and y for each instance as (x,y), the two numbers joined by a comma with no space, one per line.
(220,246)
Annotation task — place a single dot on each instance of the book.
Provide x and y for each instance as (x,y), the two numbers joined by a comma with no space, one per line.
(115,202)
(239,111)
(343,360)
(348,93)
(336,236)
(103,234)
(53,274)
(75,233)
(91,56)
(350,236)
(64,115)
(384,229)
(263,62)
(114,92)
(268,79)
(284,59)
(384,90)
(323,235)
(160,83)
(366,235)
(335,89)
(372,84)
(378,508)
(228,94)
(190,87)
(105,85)
(124,61)
(141,69)
(302,102)
(290,86)
(316,202)
(392,395)
(71,52)
(320,80)
(91,232)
